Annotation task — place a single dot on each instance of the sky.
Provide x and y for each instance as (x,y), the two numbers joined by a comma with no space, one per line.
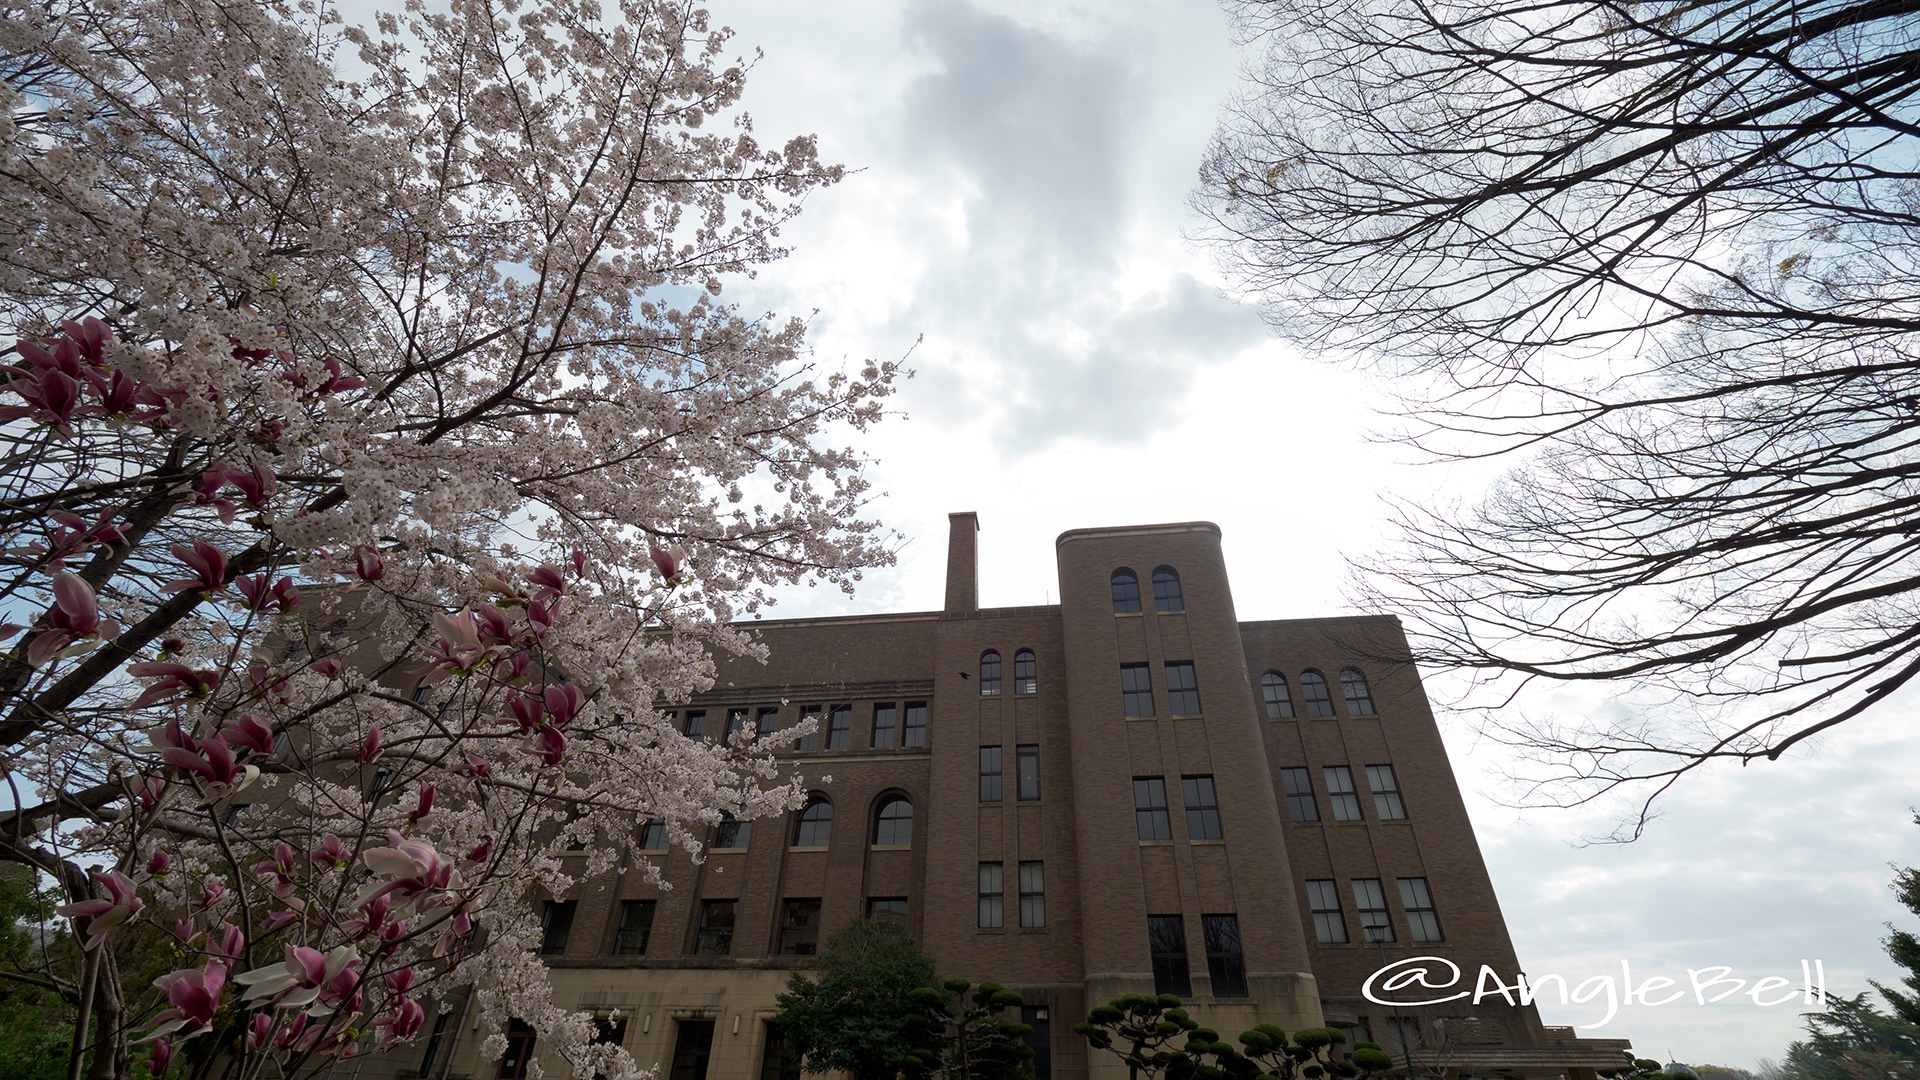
(1018,229)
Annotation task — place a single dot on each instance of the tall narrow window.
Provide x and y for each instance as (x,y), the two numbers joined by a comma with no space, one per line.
(1150,808)
(382,777)
(636,926)
(989,674)
(993,890)
(1033,895)
(1183,693)
(1126,592)
(769,723)
(1359,699)
(839,727)
(1403,1035)
(1226,964)
(1203,807)
(1370,903)
(1313,687)
(894,824)
(556,925)
(1422,919)
(1346,803)
(882,727)
(1329,925)
(1298,784)
(1273,687)
(716,928)
(808,714)
(778,1061)
(692,1050)
(913,732)
(433,1042)
(1386,793)
(1028,756)
(800,930)
(653,835)
(736,722)
(1136,689)
(1166,590)
(609,1031)
(1025,675)
(520,1040)
(891,909)
(696,722)
(989,774)
(815,827)
(1167,941)
(733,833)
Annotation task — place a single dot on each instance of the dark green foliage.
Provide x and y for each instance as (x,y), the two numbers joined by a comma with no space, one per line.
(855,1015)
(1138,1030)
(38,1023)
(967,1036)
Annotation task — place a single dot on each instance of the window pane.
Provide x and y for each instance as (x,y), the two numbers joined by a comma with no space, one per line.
(992,892)
(914,733)
(805,742)
(882,726)
(1273,687)
(1329,926)
(1126,592)
(716,928)
(1029,761)
(1167,940)
(1298,784)
(989,673)
(989,774)
(1226,965)
(696,723)
(888,909)
(556,924)
(1136,690)
(1183,694)
(636,926)
(769,722)
(1166,590)
(1203,810)
(1340,793)
(1025,680)
(1370,902)
(1313,687)
(736,722)
(840,727)
(653,836)
(732,834)
(1386,793)
(1359,700)
(816,824)
(1033,899)
(1422,920)
(800,930)
(895,822)
(1150,808)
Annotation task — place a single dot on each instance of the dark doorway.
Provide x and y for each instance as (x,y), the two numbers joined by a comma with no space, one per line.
(1035,1017)
(692,1049)
(520,1040)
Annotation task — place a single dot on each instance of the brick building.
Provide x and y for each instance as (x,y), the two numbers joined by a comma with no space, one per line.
(1132,790)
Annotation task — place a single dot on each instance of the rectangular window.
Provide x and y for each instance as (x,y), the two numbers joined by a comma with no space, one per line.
(1183,693)
(653,835)
(778,1062)
(914,731)
(695,723)
(1136,690)
(433,1042)
(990,675)
(732,834)
(1422,919)
(1370,903)
(608,1031)
(1150,808)
(1346,804)
(1329,925)
(1298,784)
(556,923)
(716,928)
(992,894)
(1033,895)
(882,727)
(736,722)
(769,722)
(809,742)
(1402,1035)
(1386,793)
(1025,678)
(800,932)
(1203,807)
(1167,940)
(692,1050)
(1028,757)
(520,1040)
(636,926)
(839,727)
(891,909)
(1226,964)
(382,777)
(989,774)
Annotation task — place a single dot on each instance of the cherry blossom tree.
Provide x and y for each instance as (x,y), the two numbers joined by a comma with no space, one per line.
(377,456)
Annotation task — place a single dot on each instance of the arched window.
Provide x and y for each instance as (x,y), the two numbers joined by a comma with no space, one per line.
(1273,687)
(894,823)
(1359,701)
(1313,687)
(1025,677)
(1126,592)
(989,673)
(1166,590)
(816,823)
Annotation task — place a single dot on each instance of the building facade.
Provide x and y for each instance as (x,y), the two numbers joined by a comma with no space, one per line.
(1129,791)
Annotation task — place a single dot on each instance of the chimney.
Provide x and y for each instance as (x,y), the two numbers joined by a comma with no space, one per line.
(963,562)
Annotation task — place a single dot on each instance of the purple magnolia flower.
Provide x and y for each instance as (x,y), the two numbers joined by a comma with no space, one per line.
(120,905)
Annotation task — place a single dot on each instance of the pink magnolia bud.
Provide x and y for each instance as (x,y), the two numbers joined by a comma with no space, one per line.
(262,1026)
(370,747)
(368,564)
(426,803)
(161,1057)
(328,666)
(159,863)
(173,645)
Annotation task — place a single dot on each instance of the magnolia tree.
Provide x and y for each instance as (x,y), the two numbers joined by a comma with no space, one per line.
(377,455)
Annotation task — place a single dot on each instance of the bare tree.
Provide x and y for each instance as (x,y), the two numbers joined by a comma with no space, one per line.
(1667,255)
